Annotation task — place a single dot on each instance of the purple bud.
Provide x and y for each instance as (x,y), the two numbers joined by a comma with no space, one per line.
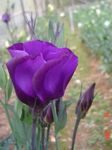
(6,17)
(47,115)
(85,101)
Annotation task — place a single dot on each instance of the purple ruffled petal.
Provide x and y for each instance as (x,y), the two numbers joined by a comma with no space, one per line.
(16,49)
(35,47)
(22,70)
(52,79)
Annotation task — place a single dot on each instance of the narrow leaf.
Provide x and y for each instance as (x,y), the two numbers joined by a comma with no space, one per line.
(3,77)
(8,89)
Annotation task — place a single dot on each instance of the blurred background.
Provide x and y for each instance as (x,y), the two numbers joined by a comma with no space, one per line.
(85,26)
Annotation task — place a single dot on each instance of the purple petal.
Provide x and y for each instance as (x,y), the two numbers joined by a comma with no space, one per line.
(52,79)
(16,49)
(22,70)
(36,47)
(53,52)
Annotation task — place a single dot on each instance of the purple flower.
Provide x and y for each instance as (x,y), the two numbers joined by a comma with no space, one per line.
(6,17)
(85,101)
(40,71)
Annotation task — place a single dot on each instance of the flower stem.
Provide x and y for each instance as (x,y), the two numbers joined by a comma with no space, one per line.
(24,16)
(9,120)
(56,138)
(35,5)
(55,120)
(75,132)
(39,137)
(43,138)
(33,139)
(47,138)
(10,33)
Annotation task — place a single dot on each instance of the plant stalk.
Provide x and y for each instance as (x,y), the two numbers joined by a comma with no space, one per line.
(43,138)
(9,120)
(33,139)
(24,16)
(35,5)
(10,33)
(47,137)
(75,132)
(55,120)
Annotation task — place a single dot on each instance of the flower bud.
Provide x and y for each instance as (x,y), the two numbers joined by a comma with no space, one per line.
(85,101)
(47,115)
(6,17)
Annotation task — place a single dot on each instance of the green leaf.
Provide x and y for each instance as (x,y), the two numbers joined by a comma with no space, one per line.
(10,107)
(18,108)
(3,77)
(62,117)
(60,40)
(5,143)
(51,32)
(8,89)
(68,103)
(22,131)
(23,112)
(26,115)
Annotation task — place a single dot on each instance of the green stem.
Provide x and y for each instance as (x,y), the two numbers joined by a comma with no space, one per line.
(56,138)
(26,138)
(8,117)
(6,110)
(35,5)
(75,132)
(54,112)
(24,15)
(47,138)
(43,138)
(33,138)
(9,120)
(55,120)
(39,135)
(10,33)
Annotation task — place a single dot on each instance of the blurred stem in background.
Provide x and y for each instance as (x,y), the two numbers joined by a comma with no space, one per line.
(35,6)
(58,4)
(41,7)
(10,33)
(24,16)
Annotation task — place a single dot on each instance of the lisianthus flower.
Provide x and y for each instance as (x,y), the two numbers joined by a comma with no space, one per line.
(40,71)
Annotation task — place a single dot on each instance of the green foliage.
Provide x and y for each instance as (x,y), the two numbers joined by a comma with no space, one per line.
(23,112)
(4,145)
(50,30)
(3,77)
(5,82)
(60,117)
(95,26)
(8,89)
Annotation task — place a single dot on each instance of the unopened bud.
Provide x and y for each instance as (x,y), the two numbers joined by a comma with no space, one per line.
(6,17)
(85,101)
(47,115)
